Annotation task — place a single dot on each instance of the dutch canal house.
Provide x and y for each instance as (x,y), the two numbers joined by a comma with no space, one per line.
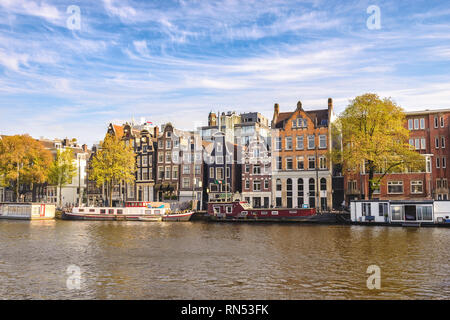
(222,169)
(179,166)
(257,173)
(143,139)
(429,136)
(302,172)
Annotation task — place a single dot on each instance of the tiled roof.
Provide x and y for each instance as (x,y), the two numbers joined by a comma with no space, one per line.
(313,114)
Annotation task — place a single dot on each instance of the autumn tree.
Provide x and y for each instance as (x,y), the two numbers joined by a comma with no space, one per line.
(23,161)
(374,136)
(62,170)
(113,163)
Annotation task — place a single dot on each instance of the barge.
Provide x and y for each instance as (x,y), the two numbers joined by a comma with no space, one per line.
(242,211)
(27,211)
(133,211)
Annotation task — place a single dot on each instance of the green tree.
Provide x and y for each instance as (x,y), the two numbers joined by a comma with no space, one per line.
(62,170)
(23,161)
(374,136)
(113,163)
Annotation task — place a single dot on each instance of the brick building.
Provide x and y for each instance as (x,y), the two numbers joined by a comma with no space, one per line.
(429,135)
(302,172)
(257,173)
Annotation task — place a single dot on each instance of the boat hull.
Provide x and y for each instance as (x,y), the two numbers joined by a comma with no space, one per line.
(181,217)
(117,217)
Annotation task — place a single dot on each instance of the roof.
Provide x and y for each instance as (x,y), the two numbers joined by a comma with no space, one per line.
(321,114)
(118,130)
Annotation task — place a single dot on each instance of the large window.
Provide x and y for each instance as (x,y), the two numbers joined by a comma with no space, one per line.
(311,142)
(256,169)
(396,213)
(323,184)
(300,193)
(382,209)
(289,192)
(288,163)
(422,123)
(279,163)
(322,141)
(366,209)
(186,182)
(168,171)
(311,163)
(300,163)
(278,143)
(416,186)
(219,174)
(279,186)
(256,185)
(410,124)
(395,187)
(288,143)
(300,143)
(322,163)
(424,213)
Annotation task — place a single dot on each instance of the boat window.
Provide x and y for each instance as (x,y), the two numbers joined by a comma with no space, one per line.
(397,212)
(244,213)
(366,209)
(80,210)
(424,213)
(157,211)
(229,209)
(382,209)
(148,211)
(274,213)
(119,211)
(111,211)
(264,213)
(91,210)
(102,210)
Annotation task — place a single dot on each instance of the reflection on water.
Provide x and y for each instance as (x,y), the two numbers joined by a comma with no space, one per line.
(135,260)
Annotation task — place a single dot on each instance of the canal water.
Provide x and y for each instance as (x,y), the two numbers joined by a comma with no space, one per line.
(198,260)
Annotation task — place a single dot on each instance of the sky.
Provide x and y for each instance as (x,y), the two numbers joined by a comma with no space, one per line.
(69,68)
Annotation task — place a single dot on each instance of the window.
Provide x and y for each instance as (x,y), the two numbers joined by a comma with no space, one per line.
(219,174)
(247,168)
(168,157)
(351,185)
(144,160)
(278,143)
(160,157)
(411,142)
(311,142)
(311,163)
(219,159)
(288,143)
(160,144)
(256,169)
(397,212)
(198,169)
(422,123)
(442,142)
(219,147)
(247,184)
(322,163)
(167,175)
(266,184)
(322,142)
(256,185)
(300,143)
(186,169)
(416,124)
(417,144)
(294,123)
(436,143)
(423,144)
(416,186)
(395,187)
(300,192)
(278,164)
(382,209)
(442,122)
(300,163)
(424,213)
(366,209)
(211,172)
(256,153)
(213,187)
(160,172)
(168,134)
(410,124)
(438,162)
(186,182)
(175,172)
(278,185)
(168,144)
(289,163)
(323,184)
(444,162)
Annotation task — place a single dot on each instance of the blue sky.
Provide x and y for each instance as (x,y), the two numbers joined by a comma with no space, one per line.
(177,60)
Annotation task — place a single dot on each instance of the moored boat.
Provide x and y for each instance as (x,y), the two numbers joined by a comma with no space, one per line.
(242,211)
(27,211)
(134,211)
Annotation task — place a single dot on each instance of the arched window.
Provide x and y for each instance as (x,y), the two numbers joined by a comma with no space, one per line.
(300,193)
(312,193)
(278,185)
(323,184)
(289,192)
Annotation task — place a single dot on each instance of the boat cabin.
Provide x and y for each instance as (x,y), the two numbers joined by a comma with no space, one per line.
(27,211)
(399,211)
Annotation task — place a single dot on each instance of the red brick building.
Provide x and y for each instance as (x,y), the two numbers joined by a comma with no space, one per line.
(430,136)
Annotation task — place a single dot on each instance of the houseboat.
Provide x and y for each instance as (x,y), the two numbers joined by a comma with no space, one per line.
(242,211)
(400,212)
(27,211)
(134,210)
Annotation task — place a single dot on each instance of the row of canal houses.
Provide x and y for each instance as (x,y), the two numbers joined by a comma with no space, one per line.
(281,163)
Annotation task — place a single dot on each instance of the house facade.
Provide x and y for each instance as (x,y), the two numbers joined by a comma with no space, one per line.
(301,170)
(429,135)
(257,173)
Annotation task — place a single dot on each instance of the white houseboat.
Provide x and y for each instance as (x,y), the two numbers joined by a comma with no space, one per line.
(400,212)
(134,210)
(27,211)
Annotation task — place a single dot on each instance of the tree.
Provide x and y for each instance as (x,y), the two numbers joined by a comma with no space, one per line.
(113,163)
(23,161)
(62,170)
(374,136)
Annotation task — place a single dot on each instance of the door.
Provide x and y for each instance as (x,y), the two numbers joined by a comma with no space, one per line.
(410,213)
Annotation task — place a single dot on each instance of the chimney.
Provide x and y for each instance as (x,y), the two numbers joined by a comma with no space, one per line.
(156,131)
(276,111)
(330,103)
(299,105)
(84,147)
